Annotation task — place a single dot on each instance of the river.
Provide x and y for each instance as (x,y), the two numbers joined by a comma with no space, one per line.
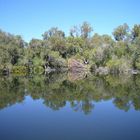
(70,107)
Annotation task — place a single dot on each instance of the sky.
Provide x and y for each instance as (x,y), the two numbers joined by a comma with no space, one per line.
(31,18)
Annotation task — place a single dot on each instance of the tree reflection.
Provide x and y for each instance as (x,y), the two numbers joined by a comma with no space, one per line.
(56,90)
(84,106)
(11,91)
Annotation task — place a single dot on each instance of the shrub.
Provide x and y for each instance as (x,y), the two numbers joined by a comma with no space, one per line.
(19,70)
(119,65)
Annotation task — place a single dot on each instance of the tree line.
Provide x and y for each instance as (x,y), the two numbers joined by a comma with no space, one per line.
(119,53)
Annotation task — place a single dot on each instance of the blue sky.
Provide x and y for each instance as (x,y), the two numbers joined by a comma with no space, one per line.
(30,18)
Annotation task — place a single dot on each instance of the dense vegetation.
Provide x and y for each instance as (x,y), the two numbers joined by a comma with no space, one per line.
(119,55)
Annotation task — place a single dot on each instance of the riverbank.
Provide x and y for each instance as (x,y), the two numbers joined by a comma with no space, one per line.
(74,66)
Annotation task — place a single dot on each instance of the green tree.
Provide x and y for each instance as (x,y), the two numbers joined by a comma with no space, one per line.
(121,32)
(136,31)
(53,32)
(11,48)
(86,30)
(75,31)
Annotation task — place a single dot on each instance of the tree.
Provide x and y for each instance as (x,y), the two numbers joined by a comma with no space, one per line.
(75,31)
(55,40)
(11,48)
(121,32)
(53,32)
(74,45)
(86,29)
(35,43)
(19,41)
(136,31)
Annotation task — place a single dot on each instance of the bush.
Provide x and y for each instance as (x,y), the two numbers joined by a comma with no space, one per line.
(38,70)
(19,70)
(119,65)
(56,61)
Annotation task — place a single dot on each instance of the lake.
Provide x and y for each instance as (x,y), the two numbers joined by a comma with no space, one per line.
(70,106)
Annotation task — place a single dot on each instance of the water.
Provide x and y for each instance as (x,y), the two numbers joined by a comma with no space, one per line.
(70,107)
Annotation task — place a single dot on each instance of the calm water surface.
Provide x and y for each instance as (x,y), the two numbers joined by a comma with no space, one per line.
(70,107)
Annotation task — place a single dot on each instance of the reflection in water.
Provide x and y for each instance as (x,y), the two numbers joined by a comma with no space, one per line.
(58,89)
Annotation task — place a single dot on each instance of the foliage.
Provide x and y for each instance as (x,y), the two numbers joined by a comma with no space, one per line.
(19,70)
(121,32)
(11,47)
(119,65)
